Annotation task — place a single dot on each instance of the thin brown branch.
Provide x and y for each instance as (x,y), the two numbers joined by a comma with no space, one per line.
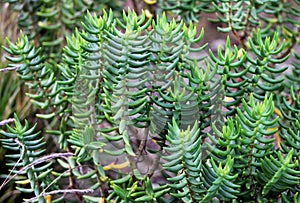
(43,193)
(155,165)
(7,121)
(7,179)
(61,191)
(135,6)
(38,161)
(9,69)
(142,144)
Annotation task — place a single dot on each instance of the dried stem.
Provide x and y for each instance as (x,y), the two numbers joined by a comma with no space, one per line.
(9,69)
(38,161)
(142,144)
(7,121)
(7,179)
(61,191)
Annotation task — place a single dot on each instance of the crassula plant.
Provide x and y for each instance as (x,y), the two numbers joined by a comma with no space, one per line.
(135,105)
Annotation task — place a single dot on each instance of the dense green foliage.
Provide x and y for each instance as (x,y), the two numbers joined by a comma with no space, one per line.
(138,112)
